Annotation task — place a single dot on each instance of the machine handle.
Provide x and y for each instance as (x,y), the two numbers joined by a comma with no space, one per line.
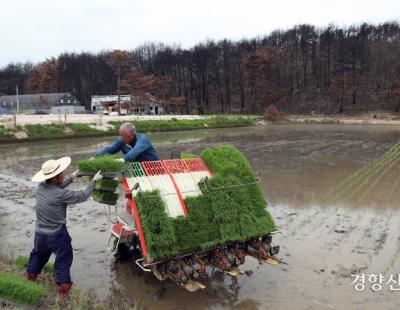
(106,175)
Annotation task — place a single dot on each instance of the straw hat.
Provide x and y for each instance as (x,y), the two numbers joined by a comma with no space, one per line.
(51,168)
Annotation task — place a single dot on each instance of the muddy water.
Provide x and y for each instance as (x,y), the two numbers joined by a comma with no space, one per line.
(324,240)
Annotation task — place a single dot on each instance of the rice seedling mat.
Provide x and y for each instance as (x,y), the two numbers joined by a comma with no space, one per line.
(184,205)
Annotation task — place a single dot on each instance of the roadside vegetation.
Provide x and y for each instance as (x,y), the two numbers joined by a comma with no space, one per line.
(22,262)
(5,134)
(175,124)
(40,132)
(20,290)
(18,293)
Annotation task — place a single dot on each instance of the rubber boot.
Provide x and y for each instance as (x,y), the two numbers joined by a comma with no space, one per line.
(31,276)
(64,288)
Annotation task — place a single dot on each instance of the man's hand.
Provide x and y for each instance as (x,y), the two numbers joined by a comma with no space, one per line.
(97,176)
(74,174)
(121,160)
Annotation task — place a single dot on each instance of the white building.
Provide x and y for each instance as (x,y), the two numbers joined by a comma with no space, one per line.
(55,103)
(98,104)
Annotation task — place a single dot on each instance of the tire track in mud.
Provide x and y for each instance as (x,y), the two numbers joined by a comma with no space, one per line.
(308,243)
(324,216)
(312,257)
(368,239)
(341,230)
(382,234)
(299,219)
(332,242)
(17,227)
(321,218)
(391,251)
(337,232)
(386,259)
(377,249)
(364,245)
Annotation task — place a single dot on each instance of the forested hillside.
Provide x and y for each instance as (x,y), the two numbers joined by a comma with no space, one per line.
(303,69)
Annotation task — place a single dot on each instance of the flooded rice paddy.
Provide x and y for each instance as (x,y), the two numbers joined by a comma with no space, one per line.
(333,224)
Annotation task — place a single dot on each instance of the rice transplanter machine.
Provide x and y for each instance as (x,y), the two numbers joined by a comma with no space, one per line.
(177,179)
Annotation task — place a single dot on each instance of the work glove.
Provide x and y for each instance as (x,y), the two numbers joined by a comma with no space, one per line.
(97,176)
(121,160)
(74,174)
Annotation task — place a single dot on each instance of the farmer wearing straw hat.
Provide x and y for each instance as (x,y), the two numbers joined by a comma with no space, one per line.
(51,235)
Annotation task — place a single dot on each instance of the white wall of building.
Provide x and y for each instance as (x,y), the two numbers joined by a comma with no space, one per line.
(67,109)
(150,109)
(96,101)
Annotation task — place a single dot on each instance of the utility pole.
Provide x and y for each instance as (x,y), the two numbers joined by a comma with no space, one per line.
(119,91)
(16,88)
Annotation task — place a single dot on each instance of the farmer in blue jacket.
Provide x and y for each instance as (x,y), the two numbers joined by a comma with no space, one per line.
(134,146)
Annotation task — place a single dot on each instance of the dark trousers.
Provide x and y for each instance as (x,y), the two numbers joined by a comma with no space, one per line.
(44,246)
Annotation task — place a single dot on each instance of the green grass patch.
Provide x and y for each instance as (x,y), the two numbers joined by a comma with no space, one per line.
(38,132)
(174,125)
(5,134)
(83,129)
(43,132)
(53,131)
(22,262)
(20,290)
(232,207)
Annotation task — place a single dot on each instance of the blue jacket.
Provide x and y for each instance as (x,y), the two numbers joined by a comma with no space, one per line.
(140,149)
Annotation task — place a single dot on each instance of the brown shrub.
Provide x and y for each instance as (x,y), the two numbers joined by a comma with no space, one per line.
(272,114)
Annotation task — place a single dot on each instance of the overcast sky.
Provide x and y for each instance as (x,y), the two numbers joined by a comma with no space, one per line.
(33,30)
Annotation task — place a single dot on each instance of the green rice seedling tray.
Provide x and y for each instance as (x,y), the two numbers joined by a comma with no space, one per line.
(104,197)
(232,207)
(104,164)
